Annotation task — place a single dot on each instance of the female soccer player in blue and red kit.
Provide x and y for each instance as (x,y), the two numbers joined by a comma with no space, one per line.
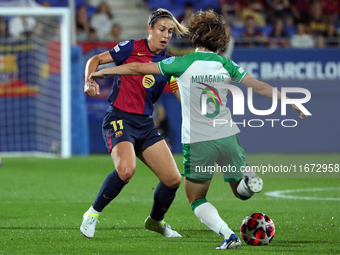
(128,128)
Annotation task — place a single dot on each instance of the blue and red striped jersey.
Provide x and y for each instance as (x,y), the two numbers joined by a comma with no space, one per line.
(136,94)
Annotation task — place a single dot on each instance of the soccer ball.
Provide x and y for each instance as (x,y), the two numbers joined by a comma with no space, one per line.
(257,229)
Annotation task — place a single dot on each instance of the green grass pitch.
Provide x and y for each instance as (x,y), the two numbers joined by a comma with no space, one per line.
(42,202)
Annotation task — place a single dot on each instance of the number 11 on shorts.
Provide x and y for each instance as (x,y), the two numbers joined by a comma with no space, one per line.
(114,124)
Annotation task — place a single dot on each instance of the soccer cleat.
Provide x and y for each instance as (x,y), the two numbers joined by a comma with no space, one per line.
(253,182)
(88,227)
(232,243)
(163,228)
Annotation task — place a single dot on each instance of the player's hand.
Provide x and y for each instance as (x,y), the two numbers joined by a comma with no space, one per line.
(302,115)
(96,75)
(91,88)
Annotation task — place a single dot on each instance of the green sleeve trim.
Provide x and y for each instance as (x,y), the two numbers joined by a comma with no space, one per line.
(242,77)
(160,68)
(198,202)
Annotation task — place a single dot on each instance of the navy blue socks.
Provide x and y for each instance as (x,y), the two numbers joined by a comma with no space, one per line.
(112,186)
(109,190)
(162,200)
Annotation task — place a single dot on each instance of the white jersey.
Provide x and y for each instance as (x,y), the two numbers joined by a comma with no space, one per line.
(202,78)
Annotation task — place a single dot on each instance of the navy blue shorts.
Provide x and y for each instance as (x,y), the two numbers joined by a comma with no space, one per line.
(119,126)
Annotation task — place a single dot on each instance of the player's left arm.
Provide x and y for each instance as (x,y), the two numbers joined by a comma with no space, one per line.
(127,69)
(266,90)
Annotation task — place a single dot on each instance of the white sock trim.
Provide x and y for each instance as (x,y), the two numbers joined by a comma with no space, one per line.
(93,211)
(244,190)
(155,221)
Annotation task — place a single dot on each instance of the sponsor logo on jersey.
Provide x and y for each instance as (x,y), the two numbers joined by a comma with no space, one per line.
(148,81)
(168,61)
(211,92)
(117,48)
(240,70)
(123,43)
(140,54)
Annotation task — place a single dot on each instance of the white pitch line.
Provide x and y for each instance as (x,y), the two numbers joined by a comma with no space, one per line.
(281,194)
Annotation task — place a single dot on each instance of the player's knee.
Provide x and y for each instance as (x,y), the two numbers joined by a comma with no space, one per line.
(177,181)
(174,182)
(126,173)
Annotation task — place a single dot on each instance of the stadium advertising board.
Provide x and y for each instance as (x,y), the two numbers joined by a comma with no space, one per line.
(316,71)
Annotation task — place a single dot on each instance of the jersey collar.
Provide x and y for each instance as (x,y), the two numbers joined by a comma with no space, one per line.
(147,46)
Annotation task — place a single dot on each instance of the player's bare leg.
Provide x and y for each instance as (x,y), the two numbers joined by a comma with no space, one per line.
(159,159)
(196,192)
(124,159)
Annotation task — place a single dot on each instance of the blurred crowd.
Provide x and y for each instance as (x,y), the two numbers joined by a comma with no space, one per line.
(252,23)
(276,23)
(93,23)
(98,24)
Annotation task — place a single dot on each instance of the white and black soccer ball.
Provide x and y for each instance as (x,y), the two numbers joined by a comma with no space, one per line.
(257,229)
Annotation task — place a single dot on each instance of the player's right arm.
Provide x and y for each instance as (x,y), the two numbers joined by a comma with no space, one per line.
(266,90)
(260,87)
(91,87)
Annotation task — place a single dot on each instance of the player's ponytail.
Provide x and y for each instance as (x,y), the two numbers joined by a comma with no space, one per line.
(179,29)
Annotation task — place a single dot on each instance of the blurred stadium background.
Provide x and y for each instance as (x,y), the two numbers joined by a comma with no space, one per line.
(287,43)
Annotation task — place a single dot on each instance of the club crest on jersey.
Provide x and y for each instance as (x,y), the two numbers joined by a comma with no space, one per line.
(123,43)
(148,81)
(119,134)
(168,61)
